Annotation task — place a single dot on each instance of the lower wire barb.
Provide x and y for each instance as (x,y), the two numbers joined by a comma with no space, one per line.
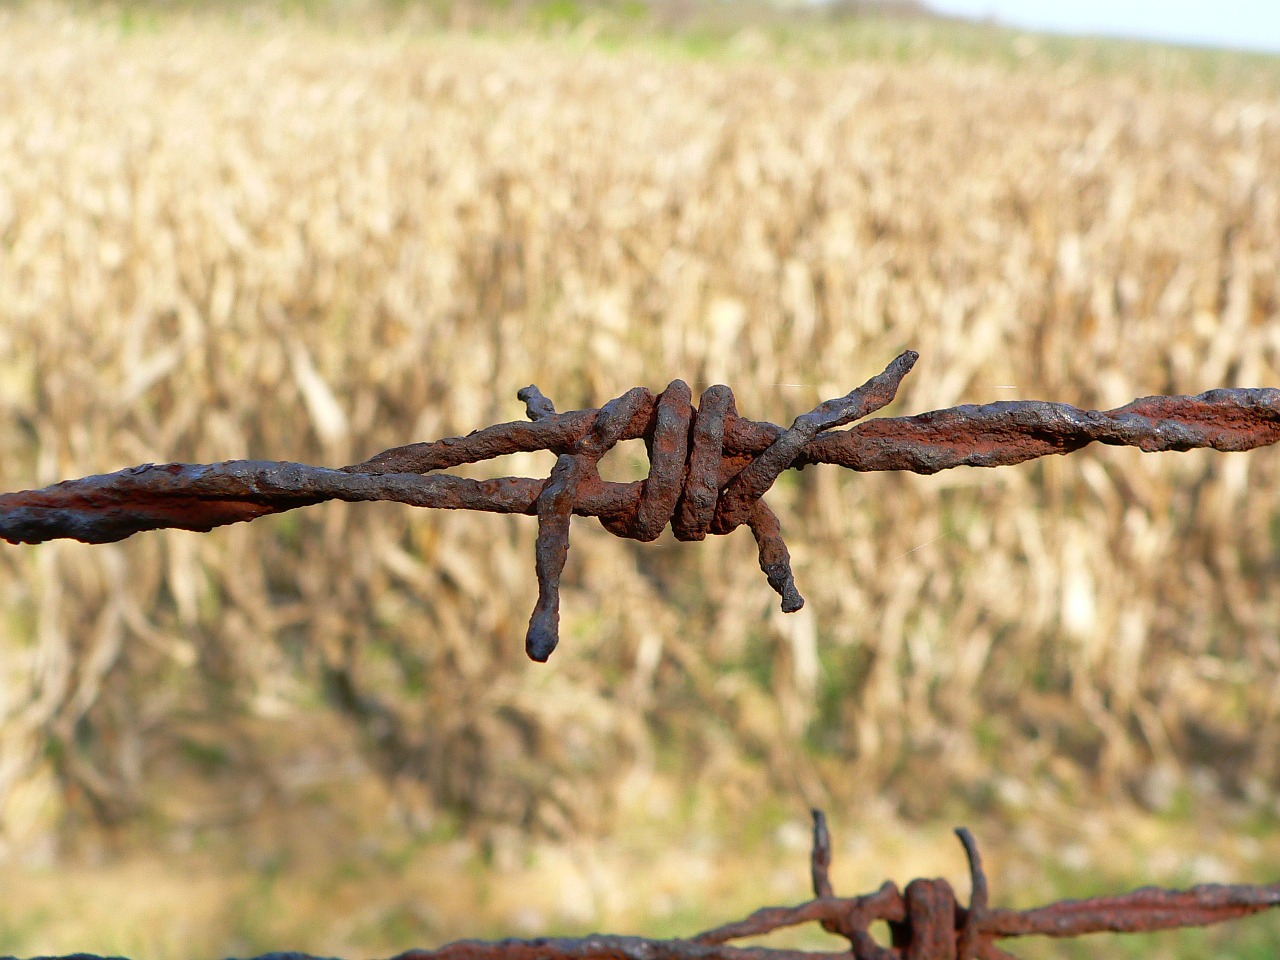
(709,468)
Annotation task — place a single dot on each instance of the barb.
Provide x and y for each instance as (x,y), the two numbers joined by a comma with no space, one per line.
(925,922)
(820,859)
(709,468)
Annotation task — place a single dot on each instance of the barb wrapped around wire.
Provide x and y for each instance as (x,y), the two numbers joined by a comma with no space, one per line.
(925,922)
(709,468)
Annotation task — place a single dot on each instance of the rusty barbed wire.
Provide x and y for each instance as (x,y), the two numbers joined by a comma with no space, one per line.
(925,921)
(709,468)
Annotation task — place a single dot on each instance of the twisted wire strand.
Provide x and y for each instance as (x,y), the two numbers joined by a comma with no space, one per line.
(708,468)
(925,920)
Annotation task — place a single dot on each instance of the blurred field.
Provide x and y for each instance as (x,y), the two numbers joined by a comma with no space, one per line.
(275,238)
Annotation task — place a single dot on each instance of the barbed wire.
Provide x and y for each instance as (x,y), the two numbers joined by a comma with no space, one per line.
(925,921)
(709,468)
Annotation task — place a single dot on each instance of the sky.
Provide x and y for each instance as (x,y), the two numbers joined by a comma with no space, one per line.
(1244,24)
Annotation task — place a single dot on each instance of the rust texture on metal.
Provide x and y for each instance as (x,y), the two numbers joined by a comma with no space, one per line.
(709,469)
(924,921)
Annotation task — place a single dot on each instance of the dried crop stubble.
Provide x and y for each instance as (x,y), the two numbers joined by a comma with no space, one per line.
(216,245)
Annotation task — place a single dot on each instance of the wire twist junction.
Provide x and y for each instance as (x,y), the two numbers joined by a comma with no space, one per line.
(691,484)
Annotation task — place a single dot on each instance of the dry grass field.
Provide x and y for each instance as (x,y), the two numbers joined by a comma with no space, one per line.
(280,240)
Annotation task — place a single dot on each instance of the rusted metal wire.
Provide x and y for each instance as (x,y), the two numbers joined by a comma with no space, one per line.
(925,921)
(709,468)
